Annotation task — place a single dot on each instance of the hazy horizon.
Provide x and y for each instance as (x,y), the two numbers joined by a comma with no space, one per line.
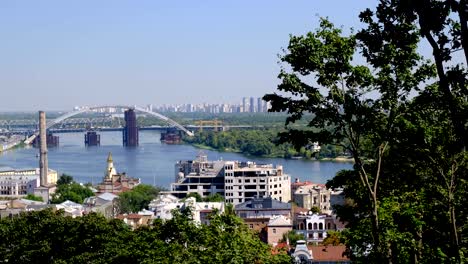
(60,54)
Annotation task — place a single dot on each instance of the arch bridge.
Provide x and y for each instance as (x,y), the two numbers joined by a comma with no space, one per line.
(90,109)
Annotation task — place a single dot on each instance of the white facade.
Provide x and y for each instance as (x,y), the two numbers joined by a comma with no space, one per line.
(236,181)
(15,183)
(313,195)
(315,227)
(165,204)
(245,180)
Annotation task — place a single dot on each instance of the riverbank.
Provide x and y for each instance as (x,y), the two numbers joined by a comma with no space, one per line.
(344,159)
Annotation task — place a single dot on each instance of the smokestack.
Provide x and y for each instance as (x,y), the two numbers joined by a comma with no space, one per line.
(43,162)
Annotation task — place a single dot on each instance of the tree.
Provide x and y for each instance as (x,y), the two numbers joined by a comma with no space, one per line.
(333,238)
(138,198)
(292,237)
(33,198)
(68,189)
(64,180)
(440,114)
(344,113)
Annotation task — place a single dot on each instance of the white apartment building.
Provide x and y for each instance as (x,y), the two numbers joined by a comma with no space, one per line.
(163,205)
(15,183)
(237,181)
(245,180)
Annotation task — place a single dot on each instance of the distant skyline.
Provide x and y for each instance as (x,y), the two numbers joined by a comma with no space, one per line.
(55,55)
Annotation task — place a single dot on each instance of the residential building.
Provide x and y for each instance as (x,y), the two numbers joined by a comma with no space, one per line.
(277,227)
(260,103)
(258,211)
(313,195)
(314,227)
(198,176)
(164,204)
(136,220)
(319,254)
(252,105)
(245,104)
(105,204)
(245,180)
(20,182)
(237,181)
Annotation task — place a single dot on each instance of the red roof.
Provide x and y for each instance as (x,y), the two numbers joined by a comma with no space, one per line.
(129,216)
(280,248)
(328,253)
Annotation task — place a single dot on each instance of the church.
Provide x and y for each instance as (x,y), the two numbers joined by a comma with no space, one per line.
(114,182)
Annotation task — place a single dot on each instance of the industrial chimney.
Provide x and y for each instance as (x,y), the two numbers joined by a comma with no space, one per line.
(43,162)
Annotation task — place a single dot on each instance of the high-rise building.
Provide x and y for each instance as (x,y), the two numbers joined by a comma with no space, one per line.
(245,104)
(260,105)
(130,131)
(252,105)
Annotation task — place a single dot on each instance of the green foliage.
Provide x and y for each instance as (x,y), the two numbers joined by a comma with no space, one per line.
(251,142)
(49,237)
(64,180)
(292,236)
(138,198)
(406,195)
(33,198)
(197,196)
(210,198)
(68,189)
(214,198)
(315,210)
(333,238)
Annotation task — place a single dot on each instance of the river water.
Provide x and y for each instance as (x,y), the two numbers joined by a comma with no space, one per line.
(152,161)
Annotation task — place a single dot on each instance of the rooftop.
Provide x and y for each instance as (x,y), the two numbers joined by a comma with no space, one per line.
(263,203)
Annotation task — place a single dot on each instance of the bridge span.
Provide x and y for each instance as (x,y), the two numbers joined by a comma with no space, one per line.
(59,119)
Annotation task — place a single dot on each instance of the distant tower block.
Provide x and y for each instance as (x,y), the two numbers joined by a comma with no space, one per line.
(130,131)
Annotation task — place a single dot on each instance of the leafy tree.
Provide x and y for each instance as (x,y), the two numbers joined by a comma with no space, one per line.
(315,209)
(33,198)
(333,238)
(64,180)
(138,198)
(50,237)
(214,198)
(344,113)
(197,196)
(68,189)
(292,237)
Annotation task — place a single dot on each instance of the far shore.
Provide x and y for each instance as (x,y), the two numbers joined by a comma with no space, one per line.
(337,159)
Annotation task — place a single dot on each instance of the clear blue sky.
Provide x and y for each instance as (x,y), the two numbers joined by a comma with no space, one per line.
(58,54)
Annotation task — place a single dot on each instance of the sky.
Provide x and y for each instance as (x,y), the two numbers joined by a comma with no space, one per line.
(55,55)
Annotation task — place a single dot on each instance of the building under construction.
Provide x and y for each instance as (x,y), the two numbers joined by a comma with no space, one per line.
(130,131)
(92,138)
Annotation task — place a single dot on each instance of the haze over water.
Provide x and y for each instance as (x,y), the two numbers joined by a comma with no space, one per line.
(152,161)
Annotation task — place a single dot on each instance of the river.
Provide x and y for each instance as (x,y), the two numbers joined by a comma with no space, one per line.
(152,161)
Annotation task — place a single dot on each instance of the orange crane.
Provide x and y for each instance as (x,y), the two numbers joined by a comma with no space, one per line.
(215,123)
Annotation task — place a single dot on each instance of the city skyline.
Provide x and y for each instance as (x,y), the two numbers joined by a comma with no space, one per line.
(56,55)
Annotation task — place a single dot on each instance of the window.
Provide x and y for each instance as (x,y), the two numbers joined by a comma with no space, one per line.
(320,235)
(309,226)
(320,226)
(251,225)
(315,226)
(274,230)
